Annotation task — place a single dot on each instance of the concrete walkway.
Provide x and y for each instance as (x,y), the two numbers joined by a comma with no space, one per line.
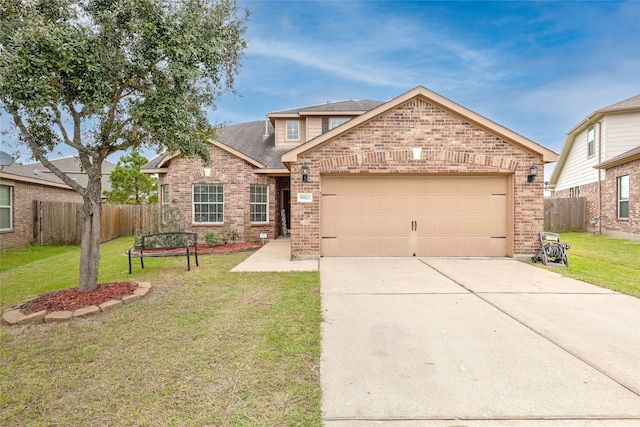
(275,256)
(470,342)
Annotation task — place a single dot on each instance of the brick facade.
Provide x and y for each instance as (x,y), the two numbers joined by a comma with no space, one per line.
(24,195)
(611,224)
(236,175)
(449,146)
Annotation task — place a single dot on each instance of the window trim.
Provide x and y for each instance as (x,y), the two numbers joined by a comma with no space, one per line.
(265,204)
(9,207)
(194,203)
(297,130)
(591,142)
(620,198)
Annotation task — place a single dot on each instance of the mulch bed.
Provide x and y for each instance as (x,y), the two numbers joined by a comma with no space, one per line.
(71,299)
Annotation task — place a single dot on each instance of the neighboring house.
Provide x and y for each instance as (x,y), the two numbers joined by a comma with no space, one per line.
(600,160)
(21,185)
(418,175)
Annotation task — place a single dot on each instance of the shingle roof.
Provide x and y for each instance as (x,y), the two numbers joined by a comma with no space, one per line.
(247,138)
(37,171)
(251,140)
(257,139)
(633,102)
(349,105)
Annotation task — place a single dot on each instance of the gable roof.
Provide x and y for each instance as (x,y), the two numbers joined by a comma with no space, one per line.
(627,105)
(253,142)
(37,173)
(434,99)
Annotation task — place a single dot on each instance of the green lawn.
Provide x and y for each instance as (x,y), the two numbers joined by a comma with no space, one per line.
(206,347)
(603,261)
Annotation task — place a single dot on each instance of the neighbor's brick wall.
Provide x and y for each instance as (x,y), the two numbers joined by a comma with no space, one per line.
(236,175)
(610,222)
(24,194)
(590,191)
(449,145)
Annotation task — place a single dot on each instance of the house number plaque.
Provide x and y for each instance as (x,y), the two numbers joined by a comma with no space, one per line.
(305,197)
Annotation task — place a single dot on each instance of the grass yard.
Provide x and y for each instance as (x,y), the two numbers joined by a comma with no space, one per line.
(603,261)
(206,347)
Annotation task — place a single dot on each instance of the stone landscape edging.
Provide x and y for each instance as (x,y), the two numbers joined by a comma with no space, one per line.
(16,317)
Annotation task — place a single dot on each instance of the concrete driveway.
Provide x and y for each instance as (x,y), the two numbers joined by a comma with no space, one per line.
(468,342)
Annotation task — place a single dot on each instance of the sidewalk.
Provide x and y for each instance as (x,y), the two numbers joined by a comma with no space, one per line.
(275,256)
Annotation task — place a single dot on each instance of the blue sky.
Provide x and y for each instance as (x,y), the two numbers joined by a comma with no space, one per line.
(537,68)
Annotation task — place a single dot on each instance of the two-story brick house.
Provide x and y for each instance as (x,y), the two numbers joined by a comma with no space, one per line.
(416,175)
(600,160)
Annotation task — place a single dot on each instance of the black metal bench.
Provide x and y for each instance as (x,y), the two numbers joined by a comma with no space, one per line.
(165,245)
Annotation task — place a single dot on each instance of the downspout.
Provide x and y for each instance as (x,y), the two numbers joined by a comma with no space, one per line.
(599,177)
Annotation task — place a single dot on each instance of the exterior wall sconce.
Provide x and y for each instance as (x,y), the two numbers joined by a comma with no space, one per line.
(305,172)
(207,171)
(533,172)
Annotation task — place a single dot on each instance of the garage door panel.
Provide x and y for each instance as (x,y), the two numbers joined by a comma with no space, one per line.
(455,216)
(365,226)
(366,246)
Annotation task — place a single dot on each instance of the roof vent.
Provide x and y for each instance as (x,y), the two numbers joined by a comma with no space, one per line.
(266,127)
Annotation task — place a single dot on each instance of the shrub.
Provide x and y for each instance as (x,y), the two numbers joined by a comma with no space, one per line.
(213,239)
(229,233)
(168,220)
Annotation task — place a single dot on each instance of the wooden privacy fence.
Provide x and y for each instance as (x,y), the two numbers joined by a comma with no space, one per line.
(565,215)
(60,223)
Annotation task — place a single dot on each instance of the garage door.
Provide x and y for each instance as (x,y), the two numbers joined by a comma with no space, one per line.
(421,216)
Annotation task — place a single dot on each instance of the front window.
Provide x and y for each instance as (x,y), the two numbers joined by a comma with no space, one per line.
(208,204)
(591,138)
(6,207)
(623,196)
(259,201)
(164,198)
(330,123)
(337,121)
(293,130)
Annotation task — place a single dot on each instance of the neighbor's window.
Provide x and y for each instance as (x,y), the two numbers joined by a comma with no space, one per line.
(623,196)
(591,138)
(574,192)
(6,207)
(208,203)
(259,202)
(293,130)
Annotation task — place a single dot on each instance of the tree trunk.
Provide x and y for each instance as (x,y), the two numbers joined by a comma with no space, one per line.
(91,236)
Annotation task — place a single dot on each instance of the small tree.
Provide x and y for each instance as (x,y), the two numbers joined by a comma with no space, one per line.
(129,185)
(102,76)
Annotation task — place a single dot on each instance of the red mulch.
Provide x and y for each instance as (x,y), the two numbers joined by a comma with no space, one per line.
(72,299)
(231,247)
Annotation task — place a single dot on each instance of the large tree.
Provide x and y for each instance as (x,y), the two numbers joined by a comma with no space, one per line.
(129,185)
(107,75)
